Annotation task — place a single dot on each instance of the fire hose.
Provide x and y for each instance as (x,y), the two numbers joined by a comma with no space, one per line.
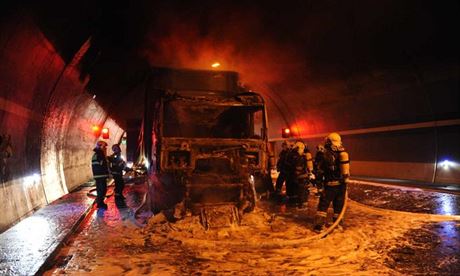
(280,243)
(93,192)
(337,221)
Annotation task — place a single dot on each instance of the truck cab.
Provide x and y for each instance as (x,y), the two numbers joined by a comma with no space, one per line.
(210,144)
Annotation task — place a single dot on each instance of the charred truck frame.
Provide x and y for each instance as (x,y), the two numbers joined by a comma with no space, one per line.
(209,144)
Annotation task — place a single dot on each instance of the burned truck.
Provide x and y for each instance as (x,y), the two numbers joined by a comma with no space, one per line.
(209,142)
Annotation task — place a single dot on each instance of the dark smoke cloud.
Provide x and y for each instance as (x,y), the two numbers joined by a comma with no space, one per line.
(238,41)
(301,54)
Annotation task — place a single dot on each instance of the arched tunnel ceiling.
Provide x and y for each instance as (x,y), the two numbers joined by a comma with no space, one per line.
(312,52)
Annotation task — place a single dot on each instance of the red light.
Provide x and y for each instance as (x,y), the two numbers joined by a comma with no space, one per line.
(105,133)
(286,133)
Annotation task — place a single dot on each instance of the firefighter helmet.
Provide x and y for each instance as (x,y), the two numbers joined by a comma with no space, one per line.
(333,139)
(116,148)
(101,144)
(300,146)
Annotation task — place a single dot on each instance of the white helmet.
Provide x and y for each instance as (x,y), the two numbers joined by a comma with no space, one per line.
(300,147)
(333,139)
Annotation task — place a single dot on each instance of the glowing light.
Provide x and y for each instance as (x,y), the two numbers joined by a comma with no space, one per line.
(446,164)
(94,96)
(95,128)
(129,164)
(286,132)
(32,180)
(215,65)
(105,133)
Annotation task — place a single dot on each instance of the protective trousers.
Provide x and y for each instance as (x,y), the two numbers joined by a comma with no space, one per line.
(336,194)
(101,189)
(279,181)
(119,184)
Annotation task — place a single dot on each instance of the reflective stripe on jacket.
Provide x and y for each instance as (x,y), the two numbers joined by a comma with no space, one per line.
(99,164)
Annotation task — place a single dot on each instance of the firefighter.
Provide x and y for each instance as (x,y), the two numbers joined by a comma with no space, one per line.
(334,168)
(100,172)
(318,182)
(300,167)
(117,166)
(281,168)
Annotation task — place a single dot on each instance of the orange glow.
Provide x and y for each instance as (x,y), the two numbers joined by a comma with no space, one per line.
(287,130)
(95,128)
(296,130)
(259,63)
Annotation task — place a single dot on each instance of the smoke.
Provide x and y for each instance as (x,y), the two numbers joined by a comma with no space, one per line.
(239,41)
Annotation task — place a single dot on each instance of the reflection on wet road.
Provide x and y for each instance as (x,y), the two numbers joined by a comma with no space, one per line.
(373,241)
(405,199)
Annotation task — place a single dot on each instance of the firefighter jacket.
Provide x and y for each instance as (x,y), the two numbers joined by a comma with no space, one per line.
(282,159)
(333,166)
(297,166)
(117,164)
(99,164)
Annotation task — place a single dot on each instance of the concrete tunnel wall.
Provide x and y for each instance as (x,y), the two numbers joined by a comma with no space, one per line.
(45,123)
(399,123)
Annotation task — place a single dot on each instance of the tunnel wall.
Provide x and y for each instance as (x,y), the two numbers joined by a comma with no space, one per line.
(399,124)
(403,154)
(45,122)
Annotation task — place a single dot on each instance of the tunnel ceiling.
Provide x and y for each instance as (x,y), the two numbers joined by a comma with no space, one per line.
(279,44)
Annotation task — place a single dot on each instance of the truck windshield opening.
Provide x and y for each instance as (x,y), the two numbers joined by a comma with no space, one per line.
(204,120)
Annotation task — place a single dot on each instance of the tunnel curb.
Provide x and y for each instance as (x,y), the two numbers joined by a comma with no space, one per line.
(49,260)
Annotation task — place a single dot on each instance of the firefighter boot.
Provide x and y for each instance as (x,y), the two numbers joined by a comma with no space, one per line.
(320,220)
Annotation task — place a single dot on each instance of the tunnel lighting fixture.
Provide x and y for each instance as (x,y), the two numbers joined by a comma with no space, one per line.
(94,96)
(215,65)
(105,133)
(446,164)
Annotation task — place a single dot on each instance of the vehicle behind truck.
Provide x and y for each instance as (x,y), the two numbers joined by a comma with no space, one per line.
(209,145)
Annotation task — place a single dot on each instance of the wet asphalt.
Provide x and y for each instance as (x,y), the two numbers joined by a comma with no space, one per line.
(408,199)
(433,249)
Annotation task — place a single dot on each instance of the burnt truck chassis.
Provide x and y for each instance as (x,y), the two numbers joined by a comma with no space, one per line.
(216,171)
(216,178)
